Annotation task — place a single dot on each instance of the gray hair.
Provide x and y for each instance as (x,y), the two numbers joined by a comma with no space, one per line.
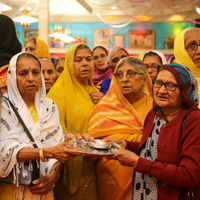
(49,62)
(135,62)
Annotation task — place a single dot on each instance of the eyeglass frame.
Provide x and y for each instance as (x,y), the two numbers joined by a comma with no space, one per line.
(165,84)
(127,77)
(196,47)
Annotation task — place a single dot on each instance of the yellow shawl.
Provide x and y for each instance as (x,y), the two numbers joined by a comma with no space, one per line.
(115,117)
(183,58)
(42,49)
(75,107)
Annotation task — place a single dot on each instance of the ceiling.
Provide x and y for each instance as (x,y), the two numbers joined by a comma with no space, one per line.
(100,10)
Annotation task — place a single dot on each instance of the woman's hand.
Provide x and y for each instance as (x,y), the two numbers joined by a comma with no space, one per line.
(125,157)
(113,140)
(63,152)
(43,185)
(98,86)
(84,136)
(96,97)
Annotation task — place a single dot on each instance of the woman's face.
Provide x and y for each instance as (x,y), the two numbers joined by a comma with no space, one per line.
(100,59)
(83,64)
(116,57)
(60,67)
(192,37)
(152,63)
(28,76)
(130,85)
(48,73)
(164,98)
(30,47)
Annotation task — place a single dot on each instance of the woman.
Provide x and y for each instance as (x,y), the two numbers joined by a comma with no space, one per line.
(48,72)
(115,56)
(38,47)
(168,165)
(101,67)
(153,60)
(71,94)
(59,65)
(187,51)
(120,114)
(26,91)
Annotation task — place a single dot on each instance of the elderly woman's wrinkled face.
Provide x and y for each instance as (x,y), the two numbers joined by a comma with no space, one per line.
(48,74)
(100,59)
(116,57)
(83,64)
(130,80)
(30,47)
(152,63)
(192,45)
(164,98)
(60,67)
(28,76)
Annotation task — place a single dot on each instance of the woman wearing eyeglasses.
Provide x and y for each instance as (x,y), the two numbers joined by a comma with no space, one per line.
(187,50)
(120,114)
(168,161)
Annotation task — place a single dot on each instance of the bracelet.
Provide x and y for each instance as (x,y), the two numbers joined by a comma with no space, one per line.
(41,152)
(124,144)
(57,172)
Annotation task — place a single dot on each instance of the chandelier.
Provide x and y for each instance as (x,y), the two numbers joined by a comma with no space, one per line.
(25,19)
(4,7)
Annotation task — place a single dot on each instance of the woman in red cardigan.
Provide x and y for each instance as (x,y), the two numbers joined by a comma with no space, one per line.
(168,165)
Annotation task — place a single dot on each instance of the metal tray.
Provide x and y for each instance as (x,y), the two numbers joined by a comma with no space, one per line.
(87,148)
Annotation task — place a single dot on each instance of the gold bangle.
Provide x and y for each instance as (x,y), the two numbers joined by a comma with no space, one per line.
(41,151)
(124,144)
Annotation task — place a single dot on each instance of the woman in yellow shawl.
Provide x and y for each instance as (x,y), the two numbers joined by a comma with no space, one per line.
(187,51)
(38,47)
(120,114)
(71,94)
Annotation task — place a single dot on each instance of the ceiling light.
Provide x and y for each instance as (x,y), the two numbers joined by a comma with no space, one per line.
(114,8)
(4,7)
(25,19)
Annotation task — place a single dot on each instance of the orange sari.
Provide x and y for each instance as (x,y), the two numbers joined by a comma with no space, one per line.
(115,117)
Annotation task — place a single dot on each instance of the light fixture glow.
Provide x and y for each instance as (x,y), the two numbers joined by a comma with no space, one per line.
(114,8)
(25,19)
(4,7)
(197,9)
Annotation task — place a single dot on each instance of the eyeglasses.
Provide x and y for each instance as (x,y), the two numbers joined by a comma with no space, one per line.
(129,75)
(153,68)
(168,86)
(192,47)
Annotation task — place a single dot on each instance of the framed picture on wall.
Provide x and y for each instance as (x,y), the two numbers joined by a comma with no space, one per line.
(141,39)
(102,37)
(28,34)
(55,43)
(118,41)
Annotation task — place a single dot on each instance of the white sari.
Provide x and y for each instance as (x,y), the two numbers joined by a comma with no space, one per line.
(46,132)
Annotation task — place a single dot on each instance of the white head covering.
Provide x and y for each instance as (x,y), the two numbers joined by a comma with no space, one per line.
(46,132)
(164,61)
(161,55)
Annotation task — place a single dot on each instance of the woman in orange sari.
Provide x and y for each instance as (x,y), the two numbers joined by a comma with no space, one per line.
(120,114)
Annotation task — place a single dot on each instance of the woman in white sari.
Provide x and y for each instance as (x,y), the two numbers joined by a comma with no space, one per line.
(26,90)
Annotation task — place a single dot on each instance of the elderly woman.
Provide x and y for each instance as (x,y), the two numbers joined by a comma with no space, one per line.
(72,93)
(153,60)
(101,67)
(48,72)
(38,47)
(59,65)
(120,114)
(26,91)
(168,165)
(187,51)
(115,56)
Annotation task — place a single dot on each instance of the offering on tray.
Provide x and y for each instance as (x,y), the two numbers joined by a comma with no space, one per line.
(95,147)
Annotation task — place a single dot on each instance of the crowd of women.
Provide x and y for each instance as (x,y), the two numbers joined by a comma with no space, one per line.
(147,107)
